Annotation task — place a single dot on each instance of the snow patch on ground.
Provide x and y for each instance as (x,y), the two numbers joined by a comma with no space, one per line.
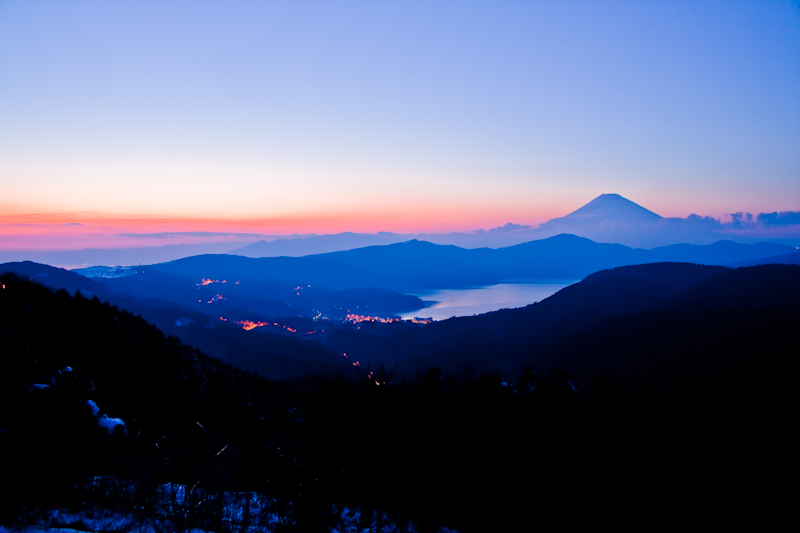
(110,424)
(246,512)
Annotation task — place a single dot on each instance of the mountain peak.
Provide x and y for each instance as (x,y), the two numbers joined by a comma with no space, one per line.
(615,208)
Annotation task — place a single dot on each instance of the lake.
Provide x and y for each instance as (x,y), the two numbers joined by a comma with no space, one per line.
(478,300)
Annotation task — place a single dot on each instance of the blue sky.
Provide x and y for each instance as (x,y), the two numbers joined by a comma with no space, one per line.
(396,115)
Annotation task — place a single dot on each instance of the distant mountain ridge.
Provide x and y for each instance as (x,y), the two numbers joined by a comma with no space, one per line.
(787,259)
(419,265)
(117,256)
(721,252)
(317,244)
(609,218)
(168,293)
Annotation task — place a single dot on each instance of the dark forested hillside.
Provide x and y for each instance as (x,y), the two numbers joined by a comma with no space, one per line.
(60,353)
(271,355)
(511,340)
(676,407)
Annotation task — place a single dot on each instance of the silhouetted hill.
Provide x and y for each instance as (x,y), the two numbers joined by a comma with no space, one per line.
(57,278)
(98,403)
(733,326)
(693,427)
(539,334)
(271,355)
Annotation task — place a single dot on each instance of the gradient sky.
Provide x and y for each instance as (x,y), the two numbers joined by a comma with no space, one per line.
(284,117)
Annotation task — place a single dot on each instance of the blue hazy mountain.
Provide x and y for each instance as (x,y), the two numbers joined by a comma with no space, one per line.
(607,208)
(602,218)
(721,253)
(418,265)
(611,218)
(298,246)
(142,255)
(317,244)
(785,259)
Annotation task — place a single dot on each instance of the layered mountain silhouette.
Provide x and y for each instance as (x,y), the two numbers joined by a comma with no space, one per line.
(317,244)
(723,253)
(287,292)
(786,259)
(418,265)
(609,218)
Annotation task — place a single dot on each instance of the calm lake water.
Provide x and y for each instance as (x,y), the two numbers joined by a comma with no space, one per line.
(474,301)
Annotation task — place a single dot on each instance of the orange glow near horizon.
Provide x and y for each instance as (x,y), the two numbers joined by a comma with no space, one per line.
(427,217)
(30,229)
(21,230)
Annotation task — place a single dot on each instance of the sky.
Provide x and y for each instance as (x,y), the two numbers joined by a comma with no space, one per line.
(282,117)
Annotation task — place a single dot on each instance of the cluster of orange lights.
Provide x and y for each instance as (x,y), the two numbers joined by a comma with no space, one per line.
(205,281)
(363,318)
(247,325)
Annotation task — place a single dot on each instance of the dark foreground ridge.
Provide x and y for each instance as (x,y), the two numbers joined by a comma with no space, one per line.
(635,311)
(103,413)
